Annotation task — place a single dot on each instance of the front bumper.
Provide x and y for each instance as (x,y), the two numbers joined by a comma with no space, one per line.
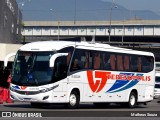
(42,97)
(47,97)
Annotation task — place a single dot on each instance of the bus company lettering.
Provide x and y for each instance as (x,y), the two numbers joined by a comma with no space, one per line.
(128,77)
(98,79)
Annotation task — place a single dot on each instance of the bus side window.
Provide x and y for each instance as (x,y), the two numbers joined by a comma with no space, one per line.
(136,64)
(106,61)
(119,62)
(151,63)
(75,65)
(147,64)
(133,64)
(68,58)
(86,65)
(68,50)
(113,62)
(60,68)
(126,63)
(139,64)
(97,60)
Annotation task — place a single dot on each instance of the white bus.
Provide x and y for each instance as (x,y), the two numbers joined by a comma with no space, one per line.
(81,72)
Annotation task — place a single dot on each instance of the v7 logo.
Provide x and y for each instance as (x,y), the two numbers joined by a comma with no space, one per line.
(97,85)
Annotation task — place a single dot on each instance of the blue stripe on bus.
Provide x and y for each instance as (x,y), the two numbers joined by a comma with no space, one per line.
(122,84)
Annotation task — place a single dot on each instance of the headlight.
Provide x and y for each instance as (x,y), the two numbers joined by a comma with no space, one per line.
(48,89)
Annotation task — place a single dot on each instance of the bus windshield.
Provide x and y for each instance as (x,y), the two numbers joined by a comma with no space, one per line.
(32,68)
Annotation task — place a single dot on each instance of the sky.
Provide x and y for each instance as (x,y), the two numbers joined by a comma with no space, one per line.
(39,9)
(153,5)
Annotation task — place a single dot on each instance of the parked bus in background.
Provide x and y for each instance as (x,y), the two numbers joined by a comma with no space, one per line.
(157,85)
(157,66)
(81,72)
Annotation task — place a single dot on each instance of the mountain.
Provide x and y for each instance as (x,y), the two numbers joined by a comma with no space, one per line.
(69,10)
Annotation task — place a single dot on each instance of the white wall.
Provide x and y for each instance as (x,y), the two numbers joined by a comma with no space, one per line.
(83,31)
(138,31)
(46,31)
(148,31)
(91,31)
(7,49)
(54,31)
(157,31)
(129,31)
(28,31)
(63,31)
(73,31)
(119,31)
(37,31)
(100,31)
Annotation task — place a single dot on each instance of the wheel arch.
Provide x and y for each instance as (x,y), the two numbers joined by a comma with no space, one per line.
(76,89)
(136,93)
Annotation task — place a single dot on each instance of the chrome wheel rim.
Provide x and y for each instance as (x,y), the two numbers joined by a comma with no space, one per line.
(72,99)
(132,100)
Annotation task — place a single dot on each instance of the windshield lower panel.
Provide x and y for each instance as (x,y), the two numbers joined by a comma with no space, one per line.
(32,68)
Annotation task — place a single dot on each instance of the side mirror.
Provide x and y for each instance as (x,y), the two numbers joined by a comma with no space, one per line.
(7,57)
(53,58)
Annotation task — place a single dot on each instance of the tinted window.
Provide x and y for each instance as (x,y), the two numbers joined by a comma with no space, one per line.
(120,62)
(96,60)
(126,63)
(101,60)
(106,61)
(113,61)
(157,79)
(68,50)
(60,69)
(147,63)
(82,59)
(157,85)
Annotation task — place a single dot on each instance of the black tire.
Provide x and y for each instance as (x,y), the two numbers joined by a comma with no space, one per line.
(74,99)
(132,102)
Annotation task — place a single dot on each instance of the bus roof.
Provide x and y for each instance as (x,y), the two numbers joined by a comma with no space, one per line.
(57,45)
(46,45)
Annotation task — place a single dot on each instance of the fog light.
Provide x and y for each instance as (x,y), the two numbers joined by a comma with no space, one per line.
(46,97)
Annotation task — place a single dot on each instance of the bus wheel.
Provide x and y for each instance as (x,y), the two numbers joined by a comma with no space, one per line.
(74,99)
(132,100)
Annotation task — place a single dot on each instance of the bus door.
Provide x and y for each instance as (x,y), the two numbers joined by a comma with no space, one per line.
(77,73)
(60,72)
(75,76)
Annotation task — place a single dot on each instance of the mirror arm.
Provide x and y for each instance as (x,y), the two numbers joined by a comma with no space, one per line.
(7,57)
(53,58)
